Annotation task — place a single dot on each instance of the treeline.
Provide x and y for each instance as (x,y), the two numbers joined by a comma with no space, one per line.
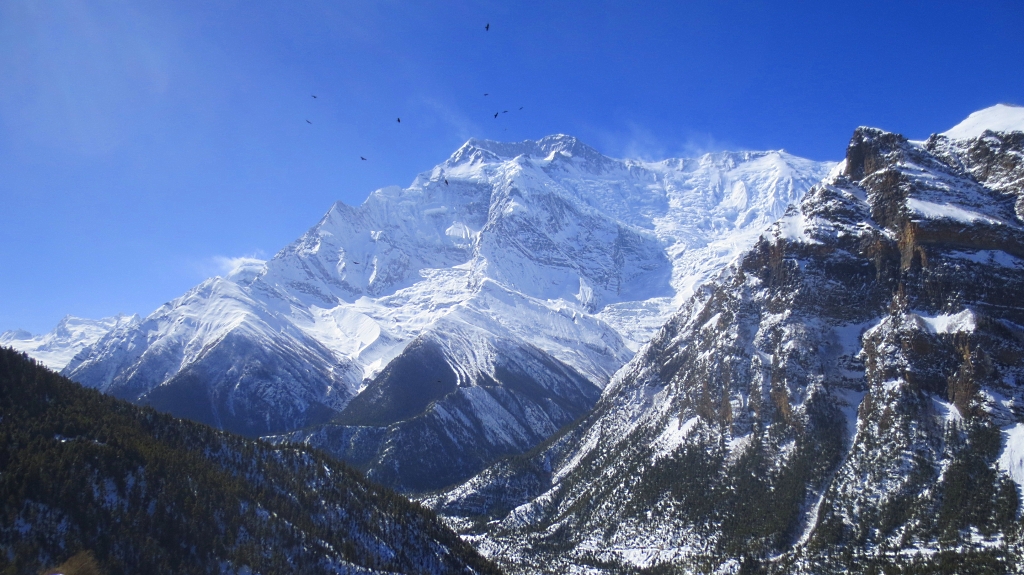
(147,493)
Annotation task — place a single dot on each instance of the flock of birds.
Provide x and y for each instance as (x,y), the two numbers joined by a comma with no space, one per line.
(487,28)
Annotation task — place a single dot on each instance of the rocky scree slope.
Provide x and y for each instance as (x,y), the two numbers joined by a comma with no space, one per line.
(847,395)
(147,493)
(436,328)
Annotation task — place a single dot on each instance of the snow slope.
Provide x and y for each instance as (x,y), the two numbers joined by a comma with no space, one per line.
(998,118)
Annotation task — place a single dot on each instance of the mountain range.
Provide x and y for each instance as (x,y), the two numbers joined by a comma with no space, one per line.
(744,362)
(437,328)
(846,396)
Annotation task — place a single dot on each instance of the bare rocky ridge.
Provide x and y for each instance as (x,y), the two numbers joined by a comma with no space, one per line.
(847,395)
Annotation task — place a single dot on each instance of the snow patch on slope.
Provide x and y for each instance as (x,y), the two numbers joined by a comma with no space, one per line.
(1011,460)
(988,257)
(673,436)
(964,321)
(936,211)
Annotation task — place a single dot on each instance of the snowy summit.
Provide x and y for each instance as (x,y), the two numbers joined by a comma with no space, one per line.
(998,118)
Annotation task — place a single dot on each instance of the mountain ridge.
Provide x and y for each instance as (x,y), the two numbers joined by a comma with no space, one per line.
(843,397)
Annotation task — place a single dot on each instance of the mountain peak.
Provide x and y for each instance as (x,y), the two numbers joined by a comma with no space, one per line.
(998,118)
(544,147)
(11,335)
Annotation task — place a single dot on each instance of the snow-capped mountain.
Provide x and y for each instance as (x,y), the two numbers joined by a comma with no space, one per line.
(845,396)
(73,334)
(998,118)
(458,320)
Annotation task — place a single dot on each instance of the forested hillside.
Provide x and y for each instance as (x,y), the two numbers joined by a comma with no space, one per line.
(147,493)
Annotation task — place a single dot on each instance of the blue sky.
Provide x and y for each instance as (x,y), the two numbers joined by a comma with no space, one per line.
(145,143)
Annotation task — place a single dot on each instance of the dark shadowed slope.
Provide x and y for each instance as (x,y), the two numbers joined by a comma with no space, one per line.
(147,493)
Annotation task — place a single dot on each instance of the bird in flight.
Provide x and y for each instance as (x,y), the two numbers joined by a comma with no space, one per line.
(486,94)
(504,111)
(399,120)
(355,262)
(362,158)
(487,27)
(314,95)
(308,122)
(520,107)
(495,115)
(446,181)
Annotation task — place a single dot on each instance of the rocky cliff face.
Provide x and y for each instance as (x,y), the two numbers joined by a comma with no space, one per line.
(846,395)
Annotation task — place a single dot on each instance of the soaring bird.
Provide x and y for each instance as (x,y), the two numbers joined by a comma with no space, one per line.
(495,115)
(520,107)
(446,181)
(314,95)
(308,122)
(487,27)
(486,94)
(504,111)
(362,158)
(399,120)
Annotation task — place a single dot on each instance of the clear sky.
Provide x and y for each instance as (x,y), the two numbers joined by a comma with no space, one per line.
(145,143)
